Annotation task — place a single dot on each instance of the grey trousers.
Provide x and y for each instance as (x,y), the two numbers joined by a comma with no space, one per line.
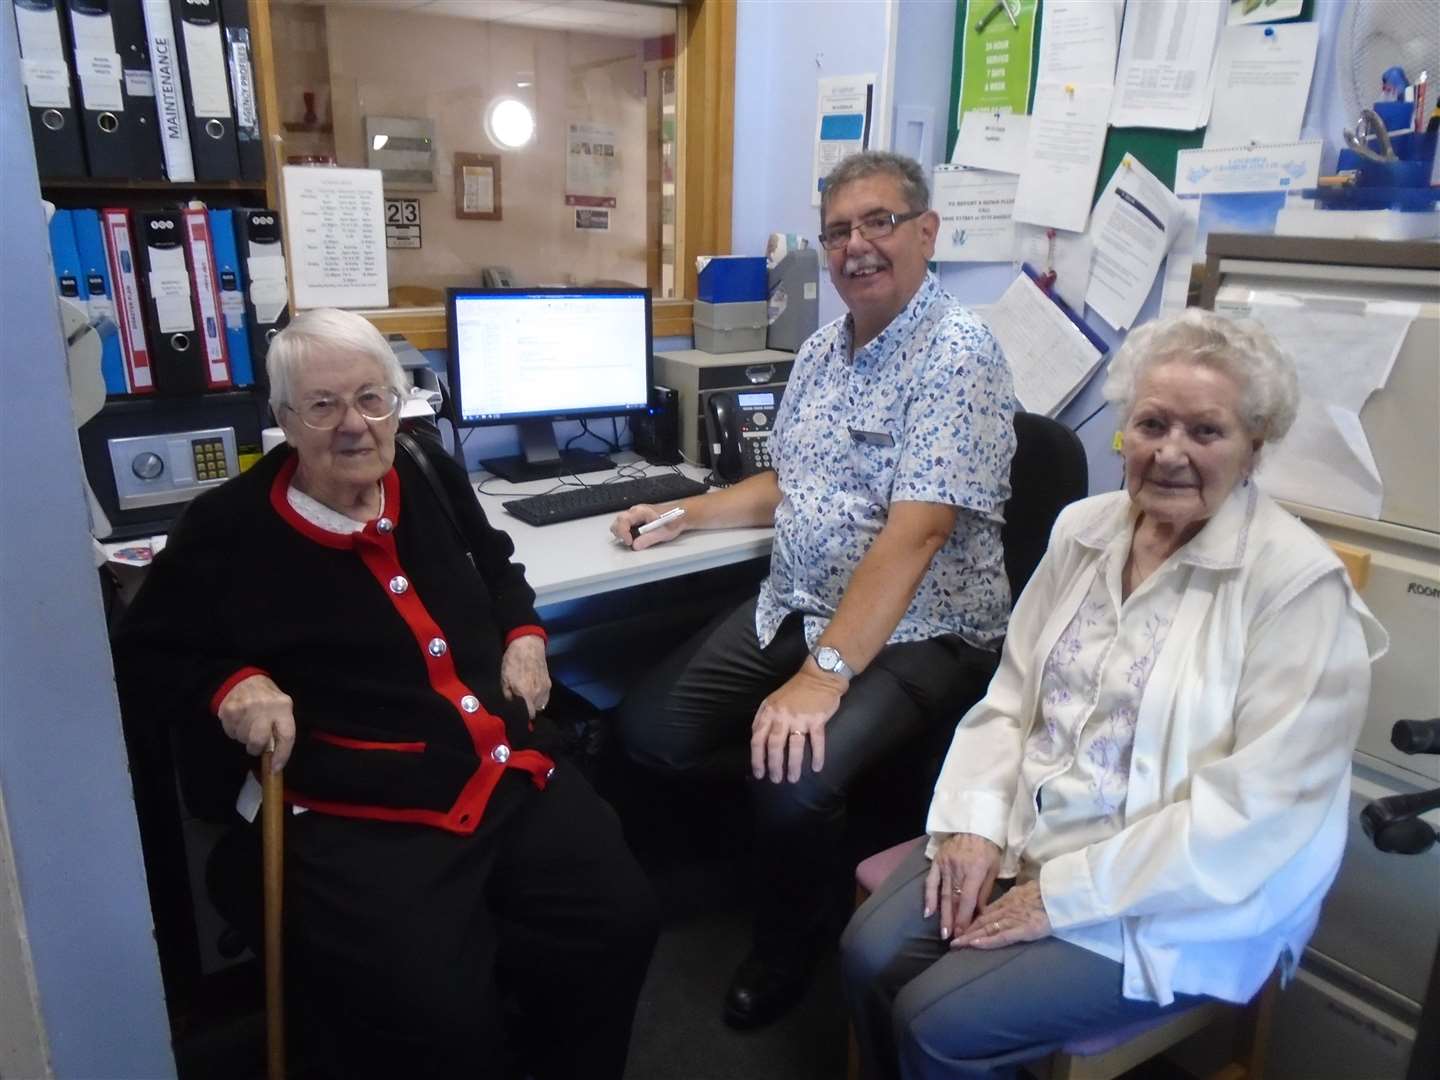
(923,1011)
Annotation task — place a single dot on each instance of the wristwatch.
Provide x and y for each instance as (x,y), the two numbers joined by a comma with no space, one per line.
(828,658)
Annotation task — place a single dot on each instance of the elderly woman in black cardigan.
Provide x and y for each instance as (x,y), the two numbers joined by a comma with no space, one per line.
(323,600)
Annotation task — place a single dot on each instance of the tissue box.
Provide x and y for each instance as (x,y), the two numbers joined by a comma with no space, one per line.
(728,279)
(727,328)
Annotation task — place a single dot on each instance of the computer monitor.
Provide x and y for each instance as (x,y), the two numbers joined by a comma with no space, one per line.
(532,356)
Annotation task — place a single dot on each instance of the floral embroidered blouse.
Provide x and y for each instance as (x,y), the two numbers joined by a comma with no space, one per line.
(1076,766)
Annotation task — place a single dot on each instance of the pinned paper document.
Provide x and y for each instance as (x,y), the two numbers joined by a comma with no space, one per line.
(1136,220)
(1167,51)
(1262,81)
(976,211)
(843,116)
(1062,156)
(1079,40)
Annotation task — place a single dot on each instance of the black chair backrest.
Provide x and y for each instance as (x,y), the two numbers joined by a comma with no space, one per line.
(1047,474)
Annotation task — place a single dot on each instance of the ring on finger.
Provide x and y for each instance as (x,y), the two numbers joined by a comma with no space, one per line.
(958,889)
(797,734)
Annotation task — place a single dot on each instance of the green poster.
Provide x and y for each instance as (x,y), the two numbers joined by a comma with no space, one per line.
(999,44)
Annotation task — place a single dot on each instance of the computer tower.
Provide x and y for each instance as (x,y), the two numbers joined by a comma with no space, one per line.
(657,433)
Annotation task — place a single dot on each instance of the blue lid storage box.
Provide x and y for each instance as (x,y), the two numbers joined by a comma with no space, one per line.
(728,279)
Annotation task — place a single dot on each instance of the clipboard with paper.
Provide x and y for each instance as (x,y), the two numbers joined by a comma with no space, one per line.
(1051,353)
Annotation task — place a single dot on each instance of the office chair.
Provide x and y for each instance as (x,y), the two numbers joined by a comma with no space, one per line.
(1047,474)
(1108,1054)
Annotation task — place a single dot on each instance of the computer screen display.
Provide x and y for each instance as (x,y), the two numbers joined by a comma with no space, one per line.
(548,354)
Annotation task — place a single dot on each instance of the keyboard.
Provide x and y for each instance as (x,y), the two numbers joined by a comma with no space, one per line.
(571,503)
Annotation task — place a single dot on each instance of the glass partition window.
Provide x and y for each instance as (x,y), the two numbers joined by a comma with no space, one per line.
(537,141)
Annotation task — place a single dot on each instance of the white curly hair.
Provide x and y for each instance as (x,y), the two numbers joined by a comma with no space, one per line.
(326,330)
(1241,348)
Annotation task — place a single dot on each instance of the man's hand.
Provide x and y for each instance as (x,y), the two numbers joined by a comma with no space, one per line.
(791,716)
(1017,916)
(256,711)
(960,879)
(640,514)
(524,673)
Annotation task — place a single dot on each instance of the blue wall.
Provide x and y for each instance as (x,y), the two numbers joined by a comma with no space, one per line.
(62,760)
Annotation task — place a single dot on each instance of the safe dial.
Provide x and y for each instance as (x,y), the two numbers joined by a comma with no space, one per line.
(147,466)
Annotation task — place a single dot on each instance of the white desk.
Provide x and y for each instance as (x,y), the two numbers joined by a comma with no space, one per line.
(579,558)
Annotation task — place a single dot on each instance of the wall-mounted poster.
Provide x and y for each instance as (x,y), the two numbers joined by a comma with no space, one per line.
(592,165)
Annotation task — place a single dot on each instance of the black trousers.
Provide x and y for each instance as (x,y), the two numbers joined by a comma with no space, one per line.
(520,949)
(693,713)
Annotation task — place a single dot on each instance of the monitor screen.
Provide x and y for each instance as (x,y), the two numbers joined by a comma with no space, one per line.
(548,354)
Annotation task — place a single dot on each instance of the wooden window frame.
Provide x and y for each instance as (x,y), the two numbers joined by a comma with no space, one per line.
(705,93)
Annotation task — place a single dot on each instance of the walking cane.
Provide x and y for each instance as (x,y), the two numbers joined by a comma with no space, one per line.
(272,833)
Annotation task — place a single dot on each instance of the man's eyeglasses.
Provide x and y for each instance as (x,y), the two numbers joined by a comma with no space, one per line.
(834,237)
(324,413)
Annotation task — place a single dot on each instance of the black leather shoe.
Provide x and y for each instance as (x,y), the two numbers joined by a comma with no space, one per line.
(761,992)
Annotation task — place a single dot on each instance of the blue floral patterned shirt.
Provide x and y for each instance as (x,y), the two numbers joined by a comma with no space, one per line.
(922,413)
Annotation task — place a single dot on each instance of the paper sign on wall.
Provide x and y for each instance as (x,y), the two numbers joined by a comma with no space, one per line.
(335,220)
(843,117)
(592,165)
(976,211)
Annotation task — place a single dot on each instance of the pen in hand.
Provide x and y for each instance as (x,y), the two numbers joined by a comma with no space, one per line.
(637,531)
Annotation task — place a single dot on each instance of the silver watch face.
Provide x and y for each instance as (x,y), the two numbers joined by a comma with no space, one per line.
(827,657)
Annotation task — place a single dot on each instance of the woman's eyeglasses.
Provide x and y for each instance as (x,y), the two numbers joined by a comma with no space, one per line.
(834,237)
(324,413)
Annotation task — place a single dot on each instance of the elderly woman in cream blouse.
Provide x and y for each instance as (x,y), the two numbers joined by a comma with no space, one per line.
(1149,804)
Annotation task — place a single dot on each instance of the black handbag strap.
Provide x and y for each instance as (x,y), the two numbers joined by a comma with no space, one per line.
(411,446)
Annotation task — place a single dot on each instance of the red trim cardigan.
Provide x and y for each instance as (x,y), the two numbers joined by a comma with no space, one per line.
(388,640)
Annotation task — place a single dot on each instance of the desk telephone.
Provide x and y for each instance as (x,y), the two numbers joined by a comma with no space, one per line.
(738,426)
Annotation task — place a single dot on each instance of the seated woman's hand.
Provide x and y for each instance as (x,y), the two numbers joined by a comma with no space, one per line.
(256,711)
(960,879)
(1017,916)
(524,673)
(640,514)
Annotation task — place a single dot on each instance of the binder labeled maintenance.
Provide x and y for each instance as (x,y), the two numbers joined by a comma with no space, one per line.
(98,294)
(170,109)
(267,291)
(129,303)
(207,89)
(235,15)
(141,122)
(176,352)
(54,126)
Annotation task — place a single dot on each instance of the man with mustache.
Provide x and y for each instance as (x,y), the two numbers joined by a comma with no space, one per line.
(887,595)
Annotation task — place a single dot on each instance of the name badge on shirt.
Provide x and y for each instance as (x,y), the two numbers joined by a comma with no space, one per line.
(872,438)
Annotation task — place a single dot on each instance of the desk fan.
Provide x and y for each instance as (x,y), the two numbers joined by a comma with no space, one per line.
(1379,34)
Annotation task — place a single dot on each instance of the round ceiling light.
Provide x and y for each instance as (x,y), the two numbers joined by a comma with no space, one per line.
(510,123)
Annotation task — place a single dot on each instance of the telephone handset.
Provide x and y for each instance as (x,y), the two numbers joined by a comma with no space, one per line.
(738,426)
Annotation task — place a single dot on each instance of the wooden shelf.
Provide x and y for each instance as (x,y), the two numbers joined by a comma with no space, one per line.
(319,129)
(90,184)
